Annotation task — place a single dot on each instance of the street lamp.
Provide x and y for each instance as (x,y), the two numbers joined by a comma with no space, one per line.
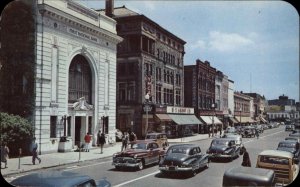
(147,108)
(213,106)
(240,116)
(64,119)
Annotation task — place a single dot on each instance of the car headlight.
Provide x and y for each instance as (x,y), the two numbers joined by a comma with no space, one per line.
(115,154)
(135,156)
(227,151)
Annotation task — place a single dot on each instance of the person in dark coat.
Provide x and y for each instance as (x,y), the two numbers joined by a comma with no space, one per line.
(102,141)
(34,147)
(246,158)
(4,154)
(125,139)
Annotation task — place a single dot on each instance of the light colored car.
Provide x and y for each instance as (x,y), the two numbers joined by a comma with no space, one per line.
(282,162)
(238,140)
(160,138)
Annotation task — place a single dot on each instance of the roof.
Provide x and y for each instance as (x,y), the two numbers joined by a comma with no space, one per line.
(276,153)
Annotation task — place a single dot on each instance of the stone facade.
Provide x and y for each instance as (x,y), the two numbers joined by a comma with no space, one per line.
(75,74)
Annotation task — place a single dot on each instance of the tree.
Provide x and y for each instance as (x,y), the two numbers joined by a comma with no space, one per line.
(17,132)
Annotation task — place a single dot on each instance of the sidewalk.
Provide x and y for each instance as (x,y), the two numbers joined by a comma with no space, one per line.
(58,158)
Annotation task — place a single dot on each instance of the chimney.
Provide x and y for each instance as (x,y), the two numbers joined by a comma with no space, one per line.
(109,8)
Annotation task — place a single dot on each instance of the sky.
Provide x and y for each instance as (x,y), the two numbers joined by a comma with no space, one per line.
(254,43)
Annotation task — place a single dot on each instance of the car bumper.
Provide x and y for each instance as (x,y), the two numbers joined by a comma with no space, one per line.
(175,169)
(220,155)
(130,165)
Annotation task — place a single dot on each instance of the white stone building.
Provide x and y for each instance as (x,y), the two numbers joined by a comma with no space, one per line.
(74,73)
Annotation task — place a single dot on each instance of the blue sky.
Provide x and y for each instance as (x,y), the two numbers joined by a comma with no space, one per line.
(255,43)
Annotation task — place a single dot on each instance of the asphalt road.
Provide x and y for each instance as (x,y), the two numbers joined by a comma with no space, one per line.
(151,176)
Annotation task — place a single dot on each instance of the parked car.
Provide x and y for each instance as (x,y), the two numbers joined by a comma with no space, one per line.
(247,176)
(58,178)
(160,138)
(142,153)
(295,134)
(248,132)
(223,148)
(230,130)
(290,146)
(297,139)
(289,127)
(259,127)
(238,141)
(183,158)
(282,162)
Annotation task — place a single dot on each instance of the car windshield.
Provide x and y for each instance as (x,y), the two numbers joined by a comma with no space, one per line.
(219,142)
(287,145)
(180,150)
(139,146)
(274,160)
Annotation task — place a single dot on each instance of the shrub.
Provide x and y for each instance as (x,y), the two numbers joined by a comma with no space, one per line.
(17,132)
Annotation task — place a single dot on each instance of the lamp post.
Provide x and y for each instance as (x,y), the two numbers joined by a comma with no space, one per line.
(147,108)
(213,106)
(64,118)
(240,116)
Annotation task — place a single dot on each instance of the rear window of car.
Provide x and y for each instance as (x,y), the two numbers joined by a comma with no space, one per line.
(180,150)
(287,145)
(274,160)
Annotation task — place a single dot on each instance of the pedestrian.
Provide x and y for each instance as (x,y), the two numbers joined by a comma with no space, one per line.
(87,140)
(209,131)
(102,141)
(132,139)
(34,147)
(98,138)
(4,154)
(220,129)
(256,133)
(124,141)
(246,158)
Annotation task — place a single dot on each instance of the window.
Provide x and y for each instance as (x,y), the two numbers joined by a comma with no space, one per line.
(158,94)
(80,80)
(53,121)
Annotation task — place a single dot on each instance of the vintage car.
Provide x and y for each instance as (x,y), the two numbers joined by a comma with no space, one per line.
(160,138)
(247,176)
(248,132)
(58,178)
(289,127)
(142,153)
(283,164)
(290,146)
(238,141)
(183,158)
(230,130)
(223,148)
(297,139)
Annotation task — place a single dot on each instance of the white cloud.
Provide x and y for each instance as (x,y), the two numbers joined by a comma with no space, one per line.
(228,42)
(199,44)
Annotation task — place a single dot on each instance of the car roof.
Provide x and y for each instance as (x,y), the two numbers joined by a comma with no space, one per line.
(51,178)
(249,173)
(184,145)
(288,141)
(223,139)
(277,153)
(145,141)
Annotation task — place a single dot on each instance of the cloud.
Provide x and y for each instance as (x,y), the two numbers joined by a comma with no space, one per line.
(224,42)
(228,42)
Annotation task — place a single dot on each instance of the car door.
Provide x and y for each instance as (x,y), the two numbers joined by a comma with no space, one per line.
(153,152)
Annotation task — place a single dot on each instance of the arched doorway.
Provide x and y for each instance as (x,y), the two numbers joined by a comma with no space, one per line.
(80,94)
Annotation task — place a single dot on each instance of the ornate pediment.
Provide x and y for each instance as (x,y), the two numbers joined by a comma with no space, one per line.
(82,105)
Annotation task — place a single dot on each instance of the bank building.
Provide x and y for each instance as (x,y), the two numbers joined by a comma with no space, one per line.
(58,69)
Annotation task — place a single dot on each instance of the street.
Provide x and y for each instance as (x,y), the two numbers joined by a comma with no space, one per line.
(151,176)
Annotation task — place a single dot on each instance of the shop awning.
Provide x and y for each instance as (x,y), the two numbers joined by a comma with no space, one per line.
(245,120)
(263,119)
(208,120)
(163,117)
(233,120)
(185,119)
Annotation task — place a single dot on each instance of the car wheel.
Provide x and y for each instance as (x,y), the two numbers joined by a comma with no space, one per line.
(118,167)
(141,165)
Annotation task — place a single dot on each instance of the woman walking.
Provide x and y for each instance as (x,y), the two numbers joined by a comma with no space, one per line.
(4,154)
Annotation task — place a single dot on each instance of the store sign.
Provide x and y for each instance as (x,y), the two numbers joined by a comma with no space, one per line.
(180,110)
(82,35)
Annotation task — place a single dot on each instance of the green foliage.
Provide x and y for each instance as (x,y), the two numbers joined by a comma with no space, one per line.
(16,131)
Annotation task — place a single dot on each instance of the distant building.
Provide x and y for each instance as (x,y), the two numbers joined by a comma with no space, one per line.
(221,97)
(59,70)
(243,108)
(259,106)
(282,101)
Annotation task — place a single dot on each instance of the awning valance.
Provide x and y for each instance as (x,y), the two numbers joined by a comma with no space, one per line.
(185,119)
(262,119)
(245,120)
(208,120)
(163,117)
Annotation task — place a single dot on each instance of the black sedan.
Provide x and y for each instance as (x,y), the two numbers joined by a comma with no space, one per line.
(184,158)
(290,146)
(223,148)
(58,178)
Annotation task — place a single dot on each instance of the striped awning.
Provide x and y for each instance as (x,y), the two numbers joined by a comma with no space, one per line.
(209,120)
(185,119)
(163,117)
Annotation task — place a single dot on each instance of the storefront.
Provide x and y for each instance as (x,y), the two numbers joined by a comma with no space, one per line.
(210,122)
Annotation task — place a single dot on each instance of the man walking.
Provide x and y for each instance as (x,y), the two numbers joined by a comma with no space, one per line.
(102,142)
(34,147)
(124,141)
